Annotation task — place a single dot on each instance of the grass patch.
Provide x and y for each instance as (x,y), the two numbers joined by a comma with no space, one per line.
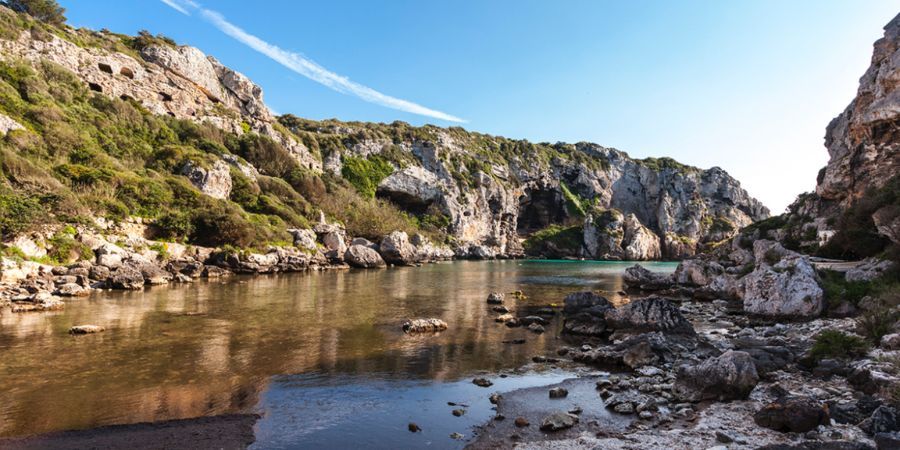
(555,241)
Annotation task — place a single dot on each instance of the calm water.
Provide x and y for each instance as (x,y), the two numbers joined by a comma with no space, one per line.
(321,355)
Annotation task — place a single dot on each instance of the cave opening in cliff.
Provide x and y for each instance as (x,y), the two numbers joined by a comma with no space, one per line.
(540,208)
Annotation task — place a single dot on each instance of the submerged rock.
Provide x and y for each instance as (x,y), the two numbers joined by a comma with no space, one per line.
(495,298)
(482,382)
(86,329)
(424,325)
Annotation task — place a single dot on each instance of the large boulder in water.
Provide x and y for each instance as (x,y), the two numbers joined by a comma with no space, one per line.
(363,257)
(649,314)
(585,314)
(783,285)
(729,376)
(396,249)
(126,277)
(637,276)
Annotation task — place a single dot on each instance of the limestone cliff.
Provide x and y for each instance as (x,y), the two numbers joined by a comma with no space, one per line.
(486,196)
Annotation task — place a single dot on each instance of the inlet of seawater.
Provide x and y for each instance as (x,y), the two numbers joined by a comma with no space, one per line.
(320,355)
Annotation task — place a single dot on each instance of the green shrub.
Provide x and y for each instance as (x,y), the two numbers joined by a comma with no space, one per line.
(365,174)
(47,11)
(555,241)
(574,206)
(18,213)
(856,236)
(268,156)
(63,248)
(837,344)
(837,289)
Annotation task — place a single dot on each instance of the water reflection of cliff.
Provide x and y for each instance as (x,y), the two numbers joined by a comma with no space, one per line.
(210,348)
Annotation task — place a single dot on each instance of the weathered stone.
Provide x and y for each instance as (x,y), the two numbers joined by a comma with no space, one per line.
(395,248)
(363,257)
(558,421)
(214,181)
(784,284)
(729,376)
(126,277)
(648,314)
(795,414)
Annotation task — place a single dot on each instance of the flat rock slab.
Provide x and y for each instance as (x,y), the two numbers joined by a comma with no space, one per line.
(234,431)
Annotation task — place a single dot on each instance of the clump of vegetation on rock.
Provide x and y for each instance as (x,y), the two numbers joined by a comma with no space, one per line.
(555,241)
(837,344)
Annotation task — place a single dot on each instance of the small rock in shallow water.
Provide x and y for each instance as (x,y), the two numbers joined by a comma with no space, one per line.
(515,341)
(500,309)
(645,415)
(558,392)
(536,328)
(413,428)
(499,417)
(483,382)
(503,318)
(424,325)
(457,436)
(86,329)
(576,410)
(495,398)
(624,408)
(558,421)
(522,422)
(495,298)
(458,412)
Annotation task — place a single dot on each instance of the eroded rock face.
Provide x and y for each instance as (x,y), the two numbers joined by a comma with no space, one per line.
(863,142)
(729,376)
(784,284)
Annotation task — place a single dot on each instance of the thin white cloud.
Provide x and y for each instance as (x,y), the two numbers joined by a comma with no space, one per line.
(308,68)
(176,6)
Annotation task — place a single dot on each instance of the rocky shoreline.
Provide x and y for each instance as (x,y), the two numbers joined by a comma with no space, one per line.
(118,257)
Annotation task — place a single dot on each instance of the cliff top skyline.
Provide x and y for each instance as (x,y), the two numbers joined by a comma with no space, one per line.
(697,82)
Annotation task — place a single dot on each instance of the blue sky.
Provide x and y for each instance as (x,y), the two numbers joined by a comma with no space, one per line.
(745,85)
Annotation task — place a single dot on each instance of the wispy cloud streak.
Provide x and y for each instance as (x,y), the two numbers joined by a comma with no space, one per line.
(305,66)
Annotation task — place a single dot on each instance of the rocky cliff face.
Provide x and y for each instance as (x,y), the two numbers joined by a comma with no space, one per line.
(855,209)
(180,81)
(625,208)
(494,197)
(863,141)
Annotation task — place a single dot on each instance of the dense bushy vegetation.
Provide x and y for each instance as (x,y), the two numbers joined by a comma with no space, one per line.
(837,344)
(83,154)
(856,235)
(555,241)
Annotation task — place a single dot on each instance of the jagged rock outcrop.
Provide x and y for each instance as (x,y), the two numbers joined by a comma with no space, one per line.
(783,284)
(213,181)
(863,141)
